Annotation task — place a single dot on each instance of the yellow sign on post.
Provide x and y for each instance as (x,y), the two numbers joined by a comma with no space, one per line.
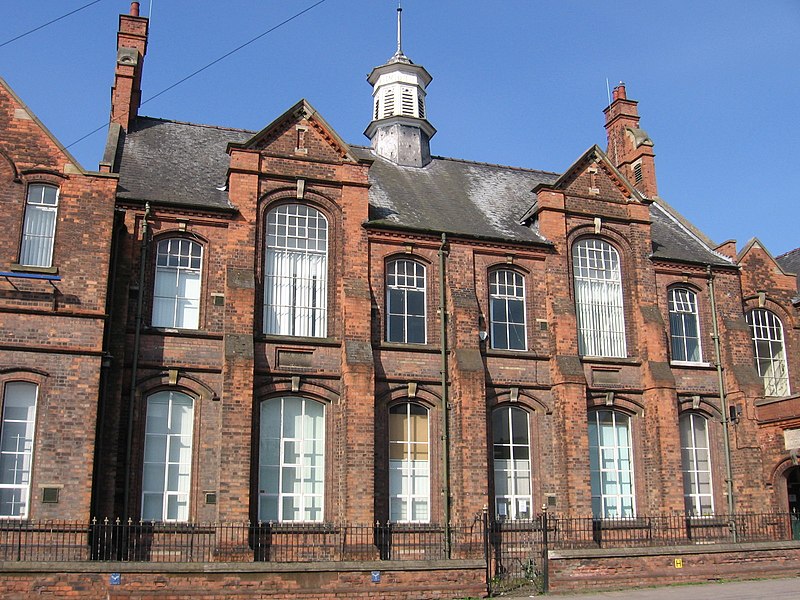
(678,563)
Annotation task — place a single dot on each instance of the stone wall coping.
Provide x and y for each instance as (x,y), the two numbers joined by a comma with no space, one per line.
(237,567)
(671,550)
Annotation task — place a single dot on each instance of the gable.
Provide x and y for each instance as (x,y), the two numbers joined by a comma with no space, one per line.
(301,132)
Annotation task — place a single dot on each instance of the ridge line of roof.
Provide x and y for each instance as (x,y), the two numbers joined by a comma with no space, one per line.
(789,253)
(472,162)
(205,126)
(677,221)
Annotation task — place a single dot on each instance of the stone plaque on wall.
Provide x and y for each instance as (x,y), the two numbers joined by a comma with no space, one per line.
(791,438)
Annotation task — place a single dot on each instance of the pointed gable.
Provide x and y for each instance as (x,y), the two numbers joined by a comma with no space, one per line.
(301,132)
(28,145)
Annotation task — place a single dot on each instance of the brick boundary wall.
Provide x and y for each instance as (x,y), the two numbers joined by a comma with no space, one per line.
(608,569)
(434,580)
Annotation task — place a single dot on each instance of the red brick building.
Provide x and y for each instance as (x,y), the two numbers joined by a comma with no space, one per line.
(281,326)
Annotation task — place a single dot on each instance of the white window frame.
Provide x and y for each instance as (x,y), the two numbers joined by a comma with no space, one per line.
(282,456)
(611,466)
(769,346)
(409,479)
(405,279)
(296,272)
(696,464)
(515,471)
(177,304)
(506,289)
(598,299)
(683,315)
(167,447)
(39,227)
(16,449)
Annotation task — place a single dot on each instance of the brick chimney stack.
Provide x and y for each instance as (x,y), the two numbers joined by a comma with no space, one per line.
(126,95)
(629,147)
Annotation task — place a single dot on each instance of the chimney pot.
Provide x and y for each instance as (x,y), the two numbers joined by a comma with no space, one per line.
(619,92)
(134,9)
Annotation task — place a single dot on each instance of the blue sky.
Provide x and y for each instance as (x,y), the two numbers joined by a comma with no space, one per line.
(516,82)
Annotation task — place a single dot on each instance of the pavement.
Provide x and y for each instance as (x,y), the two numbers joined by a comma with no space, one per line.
(772,589)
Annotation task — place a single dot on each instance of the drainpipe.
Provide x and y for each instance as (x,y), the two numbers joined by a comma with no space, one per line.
(445,398)
(723,400)
(135,362)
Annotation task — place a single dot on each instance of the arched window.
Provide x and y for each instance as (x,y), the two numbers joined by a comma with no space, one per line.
(405,302)
(166,480)
(770,351)
(598,299)
(684,326)
(291,460)
(409,471)
(696,462)
(611,464)
(512,463)
(507,310)
(176,293)
(16,447)
(39,229)
(296,272)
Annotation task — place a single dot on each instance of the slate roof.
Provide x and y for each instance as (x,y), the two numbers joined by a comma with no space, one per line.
(790,262)
(184,164)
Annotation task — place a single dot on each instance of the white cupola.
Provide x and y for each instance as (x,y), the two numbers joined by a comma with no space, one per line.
(400,131)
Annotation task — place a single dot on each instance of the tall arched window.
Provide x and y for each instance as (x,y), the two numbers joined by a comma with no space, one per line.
(598,299)
(166,481)
(296,272)
(16,447)
(409,470)
(507,310)
(684,326)
(770,351)
(291,460)
(611,464)
(512,463)
(405,302)
(176,293)
(696,461)
(39,229)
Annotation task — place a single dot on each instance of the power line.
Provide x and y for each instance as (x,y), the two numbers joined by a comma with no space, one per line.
(207,66)
(22,35)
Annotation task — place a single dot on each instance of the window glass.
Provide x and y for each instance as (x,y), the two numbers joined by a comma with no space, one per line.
(166,479)
(409,473)
(598,299)
(683,325)
(16,447)
(507,310)
(39,229)
(405,302)
(296,272)
(611,465)
(176,294)
(696,461)
(512,465)
(291,477)
(770,351)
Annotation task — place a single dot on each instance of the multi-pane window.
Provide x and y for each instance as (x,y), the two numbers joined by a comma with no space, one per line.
(770,350)
(696,463)
(291,460)
(611,464)
(405,302)
(176,293)
(684,326)
(598,299)
(166,479)
(409,470)
(296,272)
(16,447)
(512,463)
(39,229)
(507,310)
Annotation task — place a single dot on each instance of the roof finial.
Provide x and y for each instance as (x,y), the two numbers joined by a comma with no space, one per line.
(399,30)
